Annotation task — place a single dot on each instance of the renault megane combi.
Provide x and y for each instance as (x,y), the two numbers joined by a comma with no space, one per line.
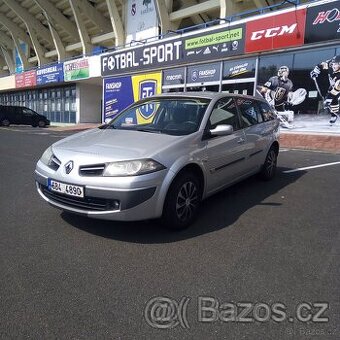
(160,157)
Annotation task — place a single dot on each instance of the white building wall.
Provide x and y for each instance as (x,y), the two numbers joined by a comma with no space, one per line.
(7,83)
(89,103)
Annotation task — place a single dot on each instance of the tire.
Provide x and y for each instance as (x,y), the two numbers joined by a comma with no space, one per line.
(182,202)
(5,122)
(41,123)
(268,170)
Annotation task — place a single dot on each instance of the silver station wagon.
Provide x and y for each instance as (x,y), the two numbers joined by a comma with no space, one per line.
(160,157)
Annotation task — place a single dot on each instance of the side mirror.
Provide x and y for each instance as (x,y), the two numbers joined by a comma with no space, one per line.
(222,130)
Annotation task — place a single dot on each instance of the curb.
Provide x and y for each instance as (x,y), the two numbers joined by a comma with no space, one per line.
(73,128)
(312,141)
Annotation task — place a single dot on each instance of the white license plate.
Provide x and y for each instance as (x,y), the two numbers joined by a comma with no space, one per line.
(67,189)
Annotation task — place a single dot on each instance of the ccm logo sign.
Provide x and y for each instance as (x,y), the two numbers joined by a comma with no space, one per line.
(279,31)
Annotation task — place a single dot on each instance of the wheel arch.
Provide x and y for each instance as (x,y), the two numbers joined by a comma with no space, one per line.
(189,172)
(191,167)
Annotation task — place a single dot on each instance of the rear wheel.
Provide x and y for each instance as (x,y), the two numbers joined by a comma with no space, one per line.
(268,170)
(5,122)
(182,201)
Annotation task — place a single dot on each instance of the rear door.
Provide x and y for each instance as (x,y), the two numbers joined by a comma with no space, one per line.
(256,135)
(27,116)
(225,155)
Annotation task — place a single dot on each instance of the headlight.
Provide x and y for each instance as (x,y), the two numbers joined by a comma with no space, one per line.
(46,157)
(132,168)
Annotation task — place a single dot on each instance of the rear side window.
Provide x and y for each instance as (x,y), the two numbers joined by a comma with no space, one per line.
(27,112)
(266,111)
(224,112)
(250,113)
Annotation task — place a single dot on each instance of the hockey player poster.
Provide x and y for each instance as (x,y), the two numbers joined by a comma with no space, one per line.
(306,82)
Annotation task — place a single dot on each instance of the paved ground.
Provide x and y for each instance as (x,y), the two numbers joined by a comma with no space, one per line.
(68,277)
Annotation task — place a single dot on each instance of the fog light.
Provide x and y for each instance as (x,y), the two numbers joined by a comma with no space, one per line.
(113,205)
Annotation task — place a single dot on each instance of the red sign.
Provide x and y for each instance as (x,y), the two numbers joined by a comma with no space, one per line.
(278,31)
(26,79)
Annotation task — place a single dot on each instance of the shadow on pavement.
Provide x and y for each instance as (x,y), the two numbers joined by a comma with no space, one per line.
(217,212)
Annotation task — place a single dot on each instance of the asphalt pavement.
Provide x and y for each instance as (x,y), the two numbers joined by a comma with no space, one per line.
(261,262)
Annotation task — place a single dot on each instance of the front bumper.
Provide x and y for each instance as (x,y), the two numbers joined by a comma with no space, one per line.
(107,202)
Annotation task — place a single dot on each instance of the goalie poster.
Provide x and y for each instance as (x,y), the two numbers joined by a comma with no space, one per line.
(304,82)
(120,92)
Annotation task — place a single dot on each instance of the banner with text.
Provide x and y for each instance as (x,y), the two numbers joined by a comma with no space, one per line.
(50,74)
(215,44)
(26,79)
(277,31)
(204,73)
(76,69)
(323,23)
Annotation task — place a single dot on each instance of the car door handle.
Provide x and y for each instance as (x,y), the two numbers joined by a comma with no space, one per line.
(241,141)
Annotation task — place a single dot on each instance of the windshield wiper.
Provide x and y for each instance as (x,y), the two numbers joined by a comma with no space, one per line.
(151,130)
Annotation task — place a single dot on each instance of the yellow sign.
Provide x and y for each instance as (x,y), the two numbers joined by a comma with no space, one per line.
(146,85)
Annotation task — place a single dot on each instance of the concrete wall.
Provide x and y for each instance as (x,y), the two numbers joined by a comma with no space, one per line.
(89,103)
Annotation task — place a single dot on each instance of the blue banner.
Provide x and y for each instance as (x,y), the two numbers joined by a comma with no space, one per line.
(117,95)
(50,74)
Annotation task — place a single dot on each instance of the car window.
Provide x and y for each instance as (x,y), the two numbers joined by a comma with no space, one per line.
(224,112)
(174,116)
(27,112)
(266,111)
(249,111)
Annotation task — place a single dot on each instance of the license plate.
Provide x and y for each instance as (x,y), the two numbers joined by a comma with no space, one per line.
(67,189)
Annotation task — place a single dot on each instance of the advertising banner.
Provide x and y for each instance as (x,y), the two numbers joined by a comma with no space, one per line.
(50,74)
(323,23)
(145,86)
(278,31)
(141,20)
(204,73)
(76,69)
(239,69)
(219,43)
(174,76)
(142,58)
(18,63)
(118,95)
(120,92)
(26,79)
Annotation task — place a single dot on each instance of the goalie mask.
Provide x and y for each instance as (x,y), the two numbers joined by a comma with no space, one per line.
(335,63)
(283,72)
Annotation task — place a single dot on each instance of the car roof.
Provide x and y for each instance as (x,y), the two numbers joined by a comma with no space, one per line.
(203,94)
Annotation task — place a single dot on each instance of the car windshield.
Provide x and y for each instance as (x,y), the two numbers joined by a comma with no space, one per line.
(173,116)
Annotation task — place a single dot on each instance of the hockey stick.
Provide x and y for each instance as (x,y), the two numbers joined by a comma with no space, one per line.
(318,88)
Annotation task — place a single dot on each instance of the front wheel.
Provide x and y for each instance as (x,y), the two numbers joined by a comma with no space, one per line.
(41,123)
(5,122)
(269,166)
(182,202)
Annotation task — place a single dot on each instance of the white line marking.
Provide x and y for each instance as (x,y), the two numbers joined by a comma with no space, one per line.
(310,167)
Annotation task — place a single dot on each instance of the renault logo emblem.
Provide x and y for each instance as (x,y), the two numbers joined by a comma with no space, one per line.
(69,167)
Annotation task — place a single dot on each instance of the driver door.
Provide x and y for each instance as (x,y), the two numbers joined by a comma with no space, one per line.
(225,155)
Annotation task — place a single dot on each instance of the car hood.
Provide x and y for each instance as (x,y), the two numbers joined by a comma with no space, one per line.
(111,145)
